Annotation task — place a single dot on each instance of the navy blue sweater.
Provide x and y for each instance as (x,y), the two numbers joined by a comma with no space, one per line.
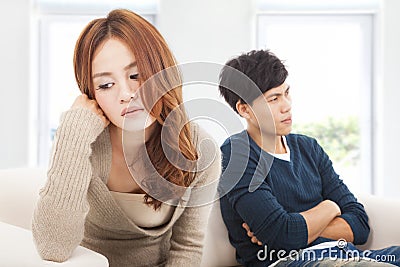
(269,193)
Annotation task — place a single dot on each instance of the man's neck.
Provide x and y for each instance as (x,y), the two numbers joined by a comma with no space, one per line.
(270,143)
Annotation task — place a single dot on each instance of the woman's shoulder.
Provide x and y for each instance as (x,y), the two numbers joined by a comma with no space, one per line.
(208,167)
(202,140)
(209,154)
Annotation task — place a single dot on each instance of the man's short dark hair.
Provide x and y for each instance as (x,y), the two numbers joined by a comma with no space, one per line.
(263,69)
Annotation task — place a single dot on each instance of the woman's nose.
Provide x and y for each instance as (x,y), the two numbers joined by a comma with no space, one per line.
(127,95)
(127,90)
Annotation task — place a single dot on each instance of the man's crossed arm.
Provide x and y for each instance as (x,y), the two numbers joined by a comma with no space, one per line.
(322,221)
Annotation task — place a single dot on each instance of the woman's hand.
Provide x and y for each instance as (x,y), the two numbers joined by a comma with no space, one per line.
(83,101)
(250,234)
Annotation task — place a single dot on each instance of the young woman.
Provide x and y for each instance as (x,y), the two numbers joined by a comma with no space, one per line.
(121,179)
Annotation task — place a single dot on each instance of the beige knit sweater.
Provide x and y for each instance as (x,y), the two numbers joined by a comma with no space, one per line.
(76,207)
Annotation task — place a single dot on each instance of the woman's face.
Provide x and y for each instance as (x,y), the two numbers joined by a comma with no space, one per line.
(115,80)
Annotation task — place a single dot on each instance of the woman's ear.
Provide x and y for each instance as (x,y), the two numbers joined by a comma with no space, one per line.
(243,109)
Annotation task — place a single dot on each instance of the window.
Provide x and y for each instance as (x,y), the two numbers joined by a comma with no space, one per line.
(59,24)
(329,59)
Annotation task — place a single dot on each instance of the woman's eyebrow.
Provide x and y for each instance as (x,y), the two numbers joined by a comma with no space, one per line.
(131,65)
(100,74)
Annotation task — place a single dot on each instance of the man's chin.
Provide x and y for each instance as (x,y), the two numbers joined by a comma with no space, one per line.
(285,132)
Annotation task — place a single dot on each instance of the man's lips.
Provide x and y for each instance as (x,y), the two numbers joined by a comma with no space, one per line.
(130,110)
(287,120)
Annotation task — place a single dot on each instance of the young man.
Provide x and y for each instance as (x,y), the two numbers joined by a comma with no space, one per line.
(282,186)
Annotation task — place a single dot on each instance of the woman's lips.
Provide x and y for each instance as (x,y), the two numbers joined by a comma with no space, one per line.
(130,111)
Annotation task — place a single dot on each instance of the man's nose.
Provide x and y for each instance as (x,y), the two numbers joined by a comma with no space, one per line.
(287,104)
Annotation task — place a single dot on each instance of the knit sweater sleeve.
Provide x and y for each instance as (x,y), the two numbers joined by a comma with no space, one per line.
(188,231)
(58,220)
(334,189)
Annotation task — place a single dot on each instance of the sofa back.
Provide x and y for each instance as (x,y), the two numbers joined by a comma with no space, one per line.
(217,251)
(19,193)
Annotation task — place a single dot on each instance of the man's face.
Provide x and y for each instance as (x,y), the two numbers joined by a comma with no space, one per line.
(271,112)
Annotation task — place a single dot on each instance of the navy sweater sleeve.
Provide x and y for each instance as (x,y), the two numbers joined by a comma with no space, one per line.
(270,222)
(334,189)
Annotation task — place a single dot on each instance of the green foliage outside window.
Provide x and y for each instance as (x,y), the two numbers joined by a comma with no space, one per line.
(339,137)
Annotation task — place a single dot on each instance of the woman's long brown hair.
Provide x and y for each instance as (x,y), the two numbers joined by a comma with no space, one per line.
(152,55)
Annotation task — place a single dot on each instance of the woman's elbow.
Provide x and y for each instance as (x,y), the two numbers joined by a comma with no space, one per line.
(52,252)
(51,249)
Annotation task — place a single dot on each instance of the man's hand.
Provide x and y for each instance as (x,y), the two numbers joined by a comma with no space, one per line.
(250,234)
(82,101)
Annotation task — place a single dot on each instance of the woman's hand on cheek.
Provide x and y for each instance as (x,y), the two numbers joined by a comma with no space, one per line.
(83,101)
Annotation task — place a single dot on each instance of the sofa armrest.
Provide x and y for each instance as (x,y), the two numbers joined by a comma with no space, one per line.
(19,193)
(384,221)
(18,249)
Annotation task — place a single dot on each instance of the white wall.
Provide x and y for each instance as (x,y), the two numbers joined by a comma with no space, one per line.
(213,32)
(389,121)
(205,30)
(14,83)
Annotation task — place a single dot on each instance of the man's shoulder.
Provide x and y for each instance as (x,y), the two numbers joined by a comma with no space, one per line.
(240,138)
(301,140)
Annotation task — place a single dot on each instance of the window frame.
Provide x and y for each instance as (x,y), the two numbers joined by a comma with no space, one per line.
(368,105)
(43,14)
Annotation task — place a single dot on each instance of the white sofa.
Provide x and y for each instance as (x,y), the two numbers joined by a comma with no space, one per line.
(19,193)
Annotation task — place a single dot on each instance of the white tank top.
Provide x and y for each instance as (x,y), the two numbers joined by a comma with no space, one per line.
(140,213)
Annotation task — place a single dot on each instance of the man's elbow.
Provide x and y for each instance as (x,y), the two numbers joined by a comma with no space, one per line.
(362,238)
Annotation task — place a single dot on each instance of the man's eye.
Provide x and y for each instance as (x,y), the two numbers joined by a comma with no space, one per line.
(134,76)
(273,99)
(105,85)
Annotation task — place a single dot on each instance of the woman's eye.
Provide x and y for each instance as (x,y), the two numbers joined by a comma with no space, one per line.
(134,76)
(105,85)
